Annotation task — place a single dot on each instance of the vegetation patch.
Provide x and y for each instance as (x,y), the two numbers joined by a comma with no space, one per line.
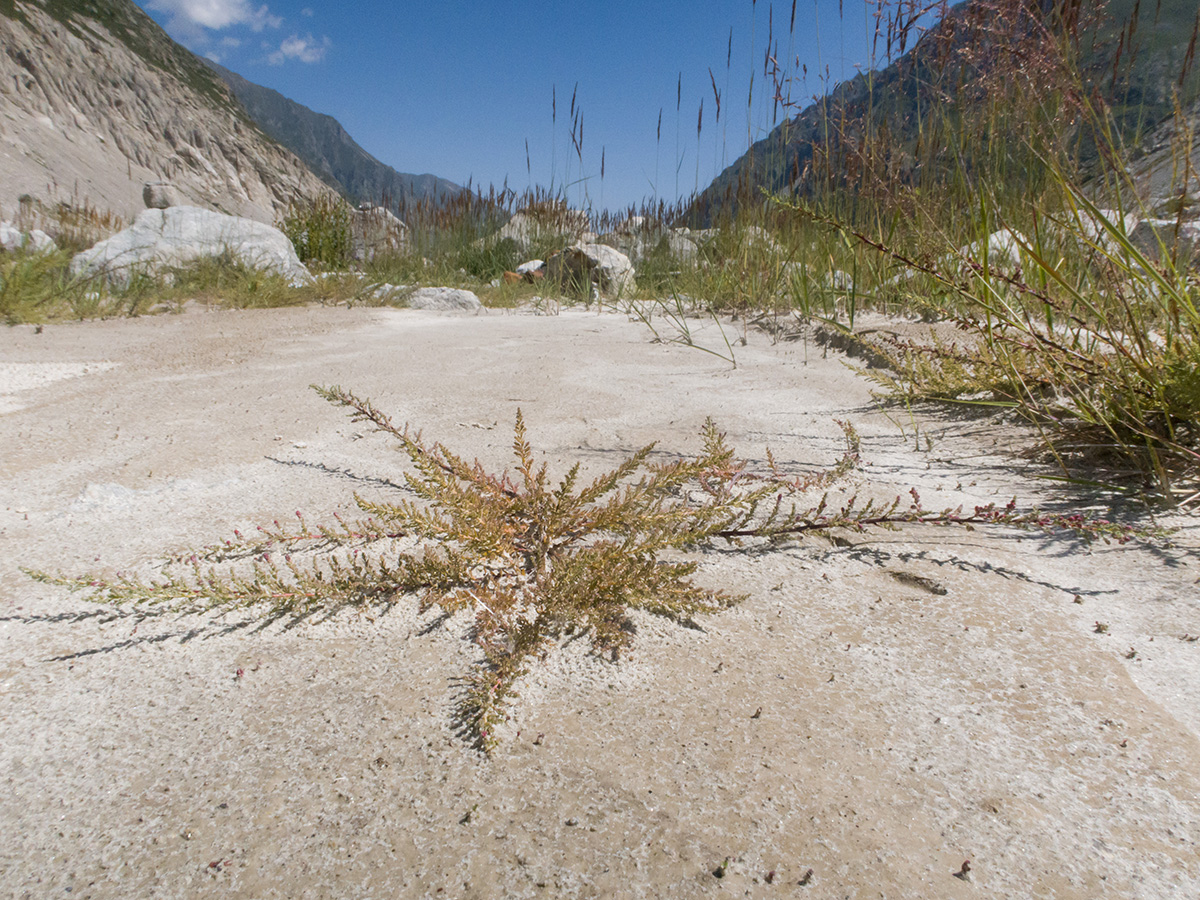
(529,560)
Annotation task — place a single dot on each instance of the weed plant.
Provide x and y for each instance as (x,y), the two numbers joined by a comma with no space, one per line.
(528,560)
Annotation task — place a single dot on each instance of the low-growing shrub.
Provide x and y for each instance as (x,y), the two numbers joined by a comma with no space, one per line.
(531,561)
(320,231)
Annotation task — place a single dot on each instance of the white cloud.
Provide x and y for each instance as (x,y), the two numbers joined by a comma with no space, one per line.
(213,56)
(307,12)
(230,42)
(305,49)
(217,14)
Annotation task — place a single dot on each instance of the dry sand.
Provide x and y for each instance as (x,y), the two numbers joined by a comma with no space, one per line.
(926,697)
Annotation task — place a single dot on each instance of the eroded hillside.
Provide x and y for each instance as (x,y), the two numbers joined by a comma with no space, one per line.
(96,100)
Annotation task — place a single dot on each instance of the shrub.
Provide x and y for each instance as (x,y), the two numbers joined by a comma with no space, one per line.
(320,231)
(531,561)
(38,286)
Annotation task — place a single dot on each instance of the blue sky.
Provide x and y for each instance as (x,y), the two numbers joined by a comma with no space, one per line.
(458,89)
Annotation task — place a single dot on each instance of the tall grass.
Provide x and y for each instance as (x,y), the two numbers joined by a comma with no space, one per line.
(985,198)
(981,177)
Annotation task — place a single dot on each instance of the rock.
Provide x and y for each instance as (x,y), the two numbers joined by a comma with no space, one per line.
(527,227)
(1185,204)
(758,238)
(391,293)
(639,238)
(1094,229)
(375,230)
(684,244)
(840,281)
(10,237)
(1002,250)
(13,239)
(1180,240)
(609,270)
(162,238)
(444,299)
(40,242)
(160,195)
(96,102)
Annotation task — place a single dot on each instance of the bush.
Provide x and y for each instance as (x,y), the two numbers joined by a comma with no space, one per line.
(320,231)
(530,561)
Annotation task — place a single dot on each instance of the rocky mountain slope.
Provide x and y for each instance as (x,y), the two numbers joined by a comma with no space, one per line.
(323,144)
(1137,56)
(96,100)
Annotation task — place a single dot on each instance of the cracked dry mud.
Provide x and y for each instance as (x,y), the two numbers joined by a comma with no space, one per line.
(878,710)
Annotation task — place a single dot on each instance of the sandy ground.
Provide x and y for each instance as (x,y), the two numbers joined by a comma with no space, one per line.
(926,697)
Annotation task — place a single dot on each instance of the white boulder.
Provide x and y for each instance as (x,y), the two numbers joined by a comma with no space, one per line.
(597,264)
(1001,251)
(444,299)
(13,239)
(527,227)
(161,238)
(160,195)
(375,230)
(684,244)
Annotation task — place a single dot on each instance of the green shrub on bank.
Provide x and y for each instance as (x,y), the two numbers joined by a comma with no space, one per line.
(320,231)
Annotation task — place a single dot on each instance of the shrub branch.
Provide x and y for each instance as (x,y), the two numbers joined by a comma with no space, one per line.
(531,561)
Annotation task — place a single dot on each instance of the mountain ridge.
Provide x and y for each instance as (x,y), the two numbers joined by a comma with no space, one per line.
(327,148)
(1140,95)
(96,100)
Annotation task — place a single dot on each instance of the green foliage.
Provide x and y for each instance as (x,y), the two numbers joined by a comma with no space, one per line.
(487,259)
(1094,339)
(227,281)
(320,231)
(32,284)
(39,287)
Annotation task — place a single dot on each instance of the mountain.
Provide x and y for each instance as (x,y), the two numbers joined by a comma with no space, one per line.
(328,150)
(1137,56)
(96,100)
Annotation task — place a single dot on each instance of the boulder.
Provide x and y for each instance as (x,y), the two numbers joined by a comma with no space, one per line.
(161,238)
(375,230)
(631,225)
(1180,240)
(684,244)
(1093,228)
(840,281)
(593,264)
(1185,204)
(759,239)
(13,239)
(1001,251)
(527,227)
(40,242)
(638,238)
(444,299)
(160,195)
(392,293)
